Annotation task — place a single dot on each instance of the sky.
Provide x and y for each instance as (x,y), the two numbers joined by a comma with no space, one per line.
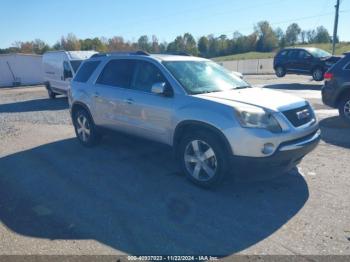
(26,20)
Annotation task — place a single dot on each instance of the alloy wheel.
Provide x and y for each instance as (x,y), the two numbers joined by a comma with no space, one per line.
(83,128)
(318,74)
(200,160)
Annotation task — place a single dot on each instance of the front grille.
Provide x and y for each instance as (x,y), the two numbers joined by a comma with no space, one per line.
(299,116)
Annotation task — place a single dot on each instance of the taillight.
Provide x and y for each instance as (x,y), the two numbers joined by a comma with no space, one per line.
(328,76)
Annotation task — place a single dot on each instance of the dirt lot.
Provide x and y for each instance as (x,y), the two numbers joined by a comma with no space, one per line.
(127,196)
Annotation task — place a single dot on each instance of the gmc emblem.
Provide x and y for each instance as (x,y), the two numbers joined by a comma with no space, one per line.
(301,115)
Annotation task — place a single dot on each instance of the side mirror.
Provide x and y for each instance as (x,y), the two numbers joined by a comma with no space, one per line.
(308,57)
(159,89)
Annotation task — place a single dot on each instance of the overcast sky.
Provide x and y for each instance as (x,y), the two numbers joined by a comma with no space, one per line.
(25,20)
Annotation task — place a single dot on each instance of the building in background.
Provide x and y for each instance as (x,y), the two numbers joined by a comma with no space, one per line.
(20,69)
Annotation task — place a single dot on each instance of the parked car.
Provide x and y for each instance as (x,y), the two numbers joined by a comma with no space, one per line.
(60,67)
(213,119)
(303,61)
(336,90)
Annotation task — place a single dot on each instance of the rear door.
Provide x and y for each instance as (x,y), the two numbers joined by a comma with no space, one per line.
(303,61)
(149,115)
(291,61)
(109,96)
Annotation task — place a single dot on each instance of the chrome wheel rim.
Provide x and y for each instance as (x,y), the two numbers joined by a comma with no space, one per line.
(318,74)
(347,109)
(279,71)
(83,128)
(200,160)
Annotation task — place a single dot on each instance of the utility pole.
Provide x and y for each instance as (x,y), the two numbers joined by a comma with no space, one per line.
(335,30)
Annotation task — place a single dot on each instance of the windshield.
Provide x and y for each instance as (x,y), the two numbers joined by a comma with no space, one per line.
(199,77)
(75,64)
(316,52)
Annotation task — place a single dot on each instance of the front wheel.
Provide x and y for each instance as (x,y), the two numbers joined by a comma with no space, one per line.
(344,108)
(85,129)
(203,159)
(280,71)
(317,74)
(52,95)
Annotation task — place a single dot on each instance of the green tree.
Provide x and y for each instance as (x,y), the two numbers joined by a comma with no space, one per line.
(203,46)
(292,34)
(70,43)
(322,35)
(144,44)
(267,40)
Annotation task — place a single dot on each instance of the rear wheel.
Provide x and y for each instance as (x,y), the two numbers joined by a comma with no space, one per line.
(344,108)
(203,159)
(85,128)
(280,71)
(317,74)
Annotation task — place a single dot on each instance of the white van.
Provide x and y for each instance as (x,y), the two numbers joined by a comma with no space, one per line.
(60,67)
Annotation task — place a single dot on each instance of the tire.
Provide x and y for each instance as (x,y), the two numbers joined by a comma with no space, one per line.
(205,170)
(85,128)
(344,108)
(52,95)
(280,71)
(317,74)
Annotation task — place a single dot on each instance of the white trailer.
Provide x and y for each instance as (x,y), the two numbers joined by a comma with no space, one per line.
(20,69)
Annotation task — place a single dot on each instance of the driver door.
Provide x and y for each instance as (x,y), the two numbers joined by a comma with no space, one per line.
(149,115)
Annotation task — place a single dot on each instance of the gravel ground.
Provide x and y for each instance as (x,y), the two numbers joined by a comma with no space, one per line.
(126,196)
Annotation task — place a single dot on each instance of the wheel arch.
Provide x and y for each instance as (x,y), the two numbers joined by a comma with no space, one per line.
(344,92)
(78,105)
(192,126)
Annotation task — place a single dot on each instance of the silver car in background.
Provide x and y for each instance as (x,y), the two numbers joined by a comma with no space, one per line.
(213,119)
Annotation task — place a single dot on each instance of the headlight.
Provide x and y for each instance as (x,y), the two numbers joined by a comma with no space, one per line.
(255,117)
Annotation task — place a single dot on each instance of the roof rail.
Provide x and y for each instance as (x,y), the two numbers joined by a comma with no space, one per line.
(120,53)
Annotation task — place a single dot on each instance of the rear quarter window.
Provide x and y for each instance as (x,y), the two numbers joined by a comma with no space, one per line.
(86,71)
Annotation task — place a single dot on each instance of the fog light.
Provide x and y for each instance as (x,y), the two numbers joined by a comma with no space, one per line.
(268,148)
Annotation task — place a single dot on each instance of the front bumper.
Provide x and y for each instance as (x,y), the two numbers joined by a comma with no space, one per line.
(286,157)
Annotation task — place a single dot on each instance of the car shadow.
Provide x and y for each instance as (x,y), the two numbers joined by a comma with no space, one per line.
(295,86)
(335,131)
(128,194)
(44,104)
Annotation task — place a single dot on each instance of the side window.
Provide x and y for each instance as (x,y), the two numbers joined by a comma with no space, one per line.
(86,71)
(283,53)
(146,75)
(117,73)
(303,54)
(67,72)
(293,54)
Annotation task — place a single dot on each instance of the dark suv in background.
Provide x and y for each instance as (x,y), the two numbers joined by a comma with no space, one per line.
(336,90)
(303,61)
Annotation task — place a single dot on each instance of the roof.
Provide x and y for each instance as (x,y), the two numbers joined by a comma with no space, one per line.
(20,54)
(159,57)
(76,55)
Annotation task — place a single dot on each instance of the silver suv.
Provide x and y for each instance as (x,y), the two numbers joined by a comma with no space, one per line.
(213,119)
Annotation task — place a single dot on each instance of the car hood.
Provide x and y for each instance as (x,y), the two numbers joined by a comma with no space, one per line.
(261,97)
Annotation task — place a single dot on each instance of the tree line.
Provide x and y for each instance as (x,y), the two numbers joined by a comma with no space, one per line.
(263,39)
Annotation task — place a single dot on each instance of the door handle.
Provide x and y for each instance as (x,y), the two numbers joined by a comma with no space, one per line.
(129,101)
(96,94)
